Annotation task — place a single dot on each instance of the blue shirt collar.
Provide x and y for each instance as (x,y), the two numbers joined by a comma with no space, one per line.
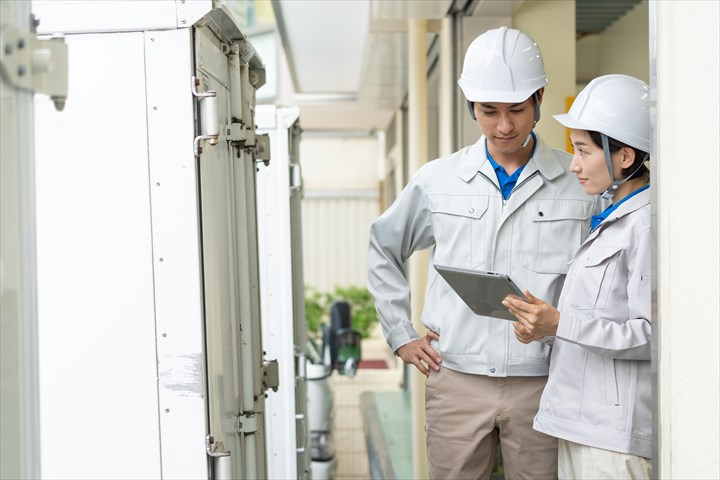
(598,219)
(507,182)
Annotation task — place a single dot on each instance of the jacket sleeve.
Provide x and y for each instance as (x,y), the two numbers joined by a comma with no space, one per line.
(404,228)
(629,340)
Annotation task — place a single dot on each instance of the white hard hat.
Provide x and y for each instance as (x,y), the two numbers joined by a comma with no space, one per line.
(615,105)
(502,65)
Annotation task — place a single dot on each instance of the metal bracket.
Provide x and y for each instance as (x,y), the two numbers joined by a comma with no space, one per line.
(271,375)
(214,449)
(262,148)
(246,138)
(247,423)
(236,132)
(36,65)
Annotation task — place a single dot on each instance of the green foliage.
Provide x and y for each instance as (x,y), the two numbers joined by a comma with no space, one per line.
(362,308)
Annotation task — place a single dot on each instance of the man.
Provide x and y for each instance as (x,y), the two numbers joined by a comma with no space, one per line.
(507,203)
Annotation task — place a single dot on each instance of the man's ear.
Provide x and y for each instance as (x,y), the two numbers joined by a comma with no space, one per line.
(539,93)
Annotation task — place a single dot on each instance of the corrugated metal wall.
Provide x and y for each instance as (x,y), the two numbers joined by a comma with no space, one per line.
(341,200)
(335,236)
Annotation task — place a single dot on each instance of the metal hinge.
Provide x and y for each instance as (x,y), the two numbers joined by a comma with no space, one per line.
(208,113)
(271,375)
(247,423)
(36,65)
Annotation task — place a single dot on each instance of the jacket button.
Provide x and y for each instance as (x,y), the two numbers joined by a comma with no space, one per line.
(492,370)
(472,210)
(541,213)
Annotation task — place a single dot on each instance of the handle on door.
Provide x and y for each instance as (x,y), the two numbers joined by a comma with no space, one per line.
(208,115)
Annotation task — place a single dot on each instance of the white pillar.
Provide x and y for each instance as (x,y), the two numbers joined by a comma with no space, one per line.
(417,156)
(684,86)
(19,412)
(447,87)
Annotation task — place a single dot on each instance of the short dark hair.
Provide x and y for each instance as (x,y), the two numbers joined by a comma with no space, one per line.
(615,145)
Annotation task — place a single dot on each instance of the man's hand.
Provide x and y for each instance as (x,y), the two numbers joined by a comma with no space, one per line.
(537,318)
(421,353)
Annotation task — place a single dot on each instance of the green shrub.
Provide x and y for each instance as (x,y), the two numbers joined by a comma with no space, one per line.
(362,308)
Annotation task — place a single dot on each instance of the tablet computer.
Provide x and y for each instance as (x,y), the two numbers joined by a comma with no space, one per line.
(482,291)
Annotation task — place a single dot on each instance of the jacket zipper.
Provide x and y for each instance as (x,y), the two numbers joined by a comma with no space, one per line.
(504,201)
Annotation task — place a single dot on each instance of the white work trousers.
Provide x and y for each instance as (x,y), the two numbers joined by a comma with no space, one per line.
(576,461)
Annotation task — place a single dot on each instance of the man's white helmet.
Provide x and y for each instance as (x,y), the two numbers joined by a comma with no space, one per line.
(502,65)
(615,105)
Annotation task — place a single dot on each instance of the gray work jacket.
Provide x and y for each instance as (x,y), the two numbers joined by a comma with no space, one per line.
(599,389)
(454,206)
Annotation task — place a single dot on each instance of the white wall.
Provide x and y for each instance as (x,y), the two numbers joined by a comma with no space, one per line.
(341,200)
(687,207)
(551,23)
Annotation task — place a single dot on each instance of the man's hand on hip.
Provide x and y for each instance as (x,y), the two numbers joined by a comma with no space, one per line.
(420,353)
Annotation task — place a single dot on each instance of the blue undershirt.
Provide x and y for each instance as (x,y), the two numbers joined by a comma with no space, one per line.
(507,182)
(598,219)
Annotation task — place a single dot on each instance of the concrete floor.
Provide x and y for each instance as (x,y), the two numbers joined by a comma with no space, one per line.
(349,436)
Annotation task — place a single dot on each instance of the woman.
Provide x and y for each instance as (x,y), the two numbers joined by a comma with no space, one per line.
(598,397)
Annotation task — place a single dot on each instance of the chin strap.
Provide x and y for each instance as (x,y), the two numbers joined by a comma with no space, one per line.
(536,119)
(608,194)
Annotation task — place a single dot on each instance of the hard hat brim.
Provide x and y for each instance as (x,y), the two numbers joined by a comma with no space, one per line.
(568,121)
(497,96)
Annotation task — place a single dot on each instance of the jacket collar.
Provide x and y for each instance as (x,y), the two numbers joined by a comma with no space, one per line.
(637,202)
(474,159)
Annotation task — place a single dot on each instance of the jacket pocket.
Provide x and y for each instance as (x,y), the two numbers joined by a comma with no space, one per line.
(611,386)
(555,230)
(594,281)
(460,238)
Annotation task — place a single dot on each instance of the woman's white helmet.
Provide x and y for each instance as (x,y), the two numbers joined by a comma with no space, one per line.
(618,107)
(502,65)
(615,105)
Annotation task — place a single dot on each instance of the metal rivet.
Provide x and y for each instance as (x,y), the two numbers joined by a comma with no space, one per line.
(183,21)
(164,335)
(21,43)
(167,410)
(22,70)
(158,184)
(541,214)
(154,108)
(472,210)
(162,259)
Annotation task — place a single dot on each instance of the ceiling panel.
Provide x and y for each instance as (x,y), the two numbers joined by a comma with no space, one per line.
(324,41)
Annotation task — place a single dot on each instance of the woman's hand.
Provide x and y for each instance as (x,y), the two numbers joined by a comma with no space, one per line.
(420,353)
(523,335)
(536,318)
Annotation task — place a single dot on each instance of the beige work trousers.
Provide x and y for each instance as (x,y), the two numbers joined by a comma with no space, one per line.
(576,461)
(468,415)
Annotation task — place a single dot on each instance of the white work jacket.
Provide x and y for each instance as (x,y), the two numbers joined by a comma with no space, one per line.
(599,389)
(454,206)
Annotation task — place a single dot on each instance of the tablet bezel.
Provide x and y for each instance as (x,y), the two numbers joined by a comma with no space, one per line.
(482,291)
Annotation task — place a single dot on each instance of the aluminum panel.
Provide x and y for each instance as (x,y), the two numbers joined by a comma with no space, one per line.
(83,16)
(281,284)
(176,253)
(98,369)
